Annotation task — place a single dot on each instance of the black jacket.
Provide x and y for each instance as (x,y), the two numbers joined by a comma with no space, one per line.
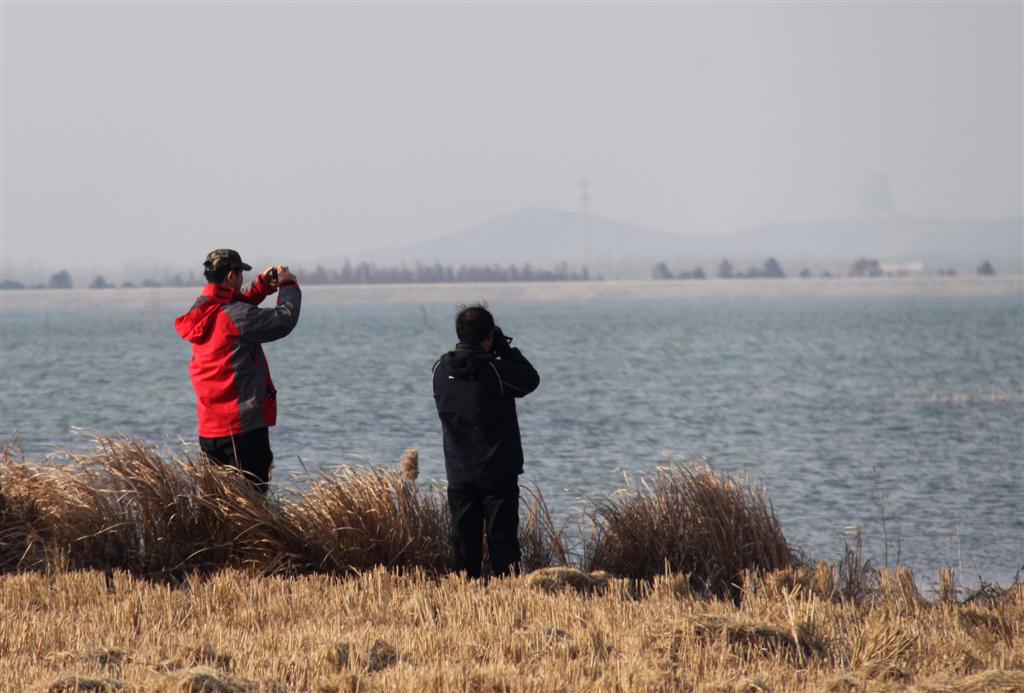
(475,393)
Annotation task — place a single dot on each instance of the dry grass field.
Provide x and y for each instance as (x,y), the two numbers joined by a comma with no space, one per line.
(234,631)
(123,570)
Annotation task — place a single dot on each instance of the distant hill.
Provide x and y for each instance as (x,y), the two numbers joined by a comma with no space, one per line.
(544,237)
(537,236)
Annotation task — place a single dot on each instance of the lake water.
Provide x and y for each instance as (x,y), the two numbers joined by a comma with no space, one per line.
(832,397)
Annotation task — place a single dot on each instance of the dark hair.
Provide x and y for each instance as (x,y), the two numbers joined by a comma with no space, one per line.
(473,324)
(217,275)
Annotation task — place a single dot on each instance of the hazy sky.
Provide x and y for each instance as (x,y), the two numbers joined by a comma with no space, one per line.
(147,134)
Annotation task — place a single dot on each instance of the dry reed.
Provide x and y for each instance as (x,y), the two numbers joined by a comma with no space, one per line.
(688,519)
(354,519)
(542,542)
(126,507)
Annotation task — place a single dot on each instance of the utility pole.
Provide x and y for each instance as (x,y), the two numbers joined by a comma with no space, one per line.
(585,199)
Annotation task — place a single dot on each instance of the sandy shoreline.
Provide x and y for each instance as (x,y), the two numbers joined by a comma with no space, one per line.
(613,290)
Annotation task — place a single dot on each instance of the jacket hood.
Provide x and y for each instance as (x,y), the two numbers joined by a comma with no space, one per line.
(194,324)
(466,360)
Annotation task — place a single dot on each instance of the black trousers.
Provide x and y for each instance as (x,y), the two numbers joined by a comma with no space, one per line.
(249,451)
(495,503)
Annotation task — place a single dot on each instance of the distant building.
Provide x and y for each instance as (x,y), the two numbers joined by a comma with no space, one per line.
(901,269)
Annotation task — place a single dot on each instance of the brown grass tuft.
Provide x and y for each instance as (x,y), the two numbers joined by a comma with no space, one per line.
(898,586)
(541,542)
(883,671)
(947,586)
(819,581)
(355,519)
(203,680)
(410,464)
(125,507)
(845,683)
(743,685)
(760,638)
(381,656)
(208,656)
(675,585)
(856,577)
(984,682)
(351,682)
(881,638)
(559,579)
(339,655)
(81,684)
(693,520)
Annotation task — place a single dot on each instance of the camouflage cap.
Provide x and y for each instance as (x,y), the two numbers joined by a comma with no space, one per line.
(223,257)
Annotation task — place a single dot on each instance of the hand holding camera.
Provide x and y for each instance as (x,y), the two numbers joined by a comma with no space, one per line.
(501,343)
(285,275)
(276,275)
(270,276)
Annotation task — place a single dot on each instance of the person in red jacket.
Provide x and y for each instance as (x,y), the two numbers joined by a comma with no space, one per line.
(235,397)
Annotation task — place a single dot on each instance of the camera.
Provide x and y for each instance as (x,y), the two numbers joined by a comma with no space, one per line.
(501,342)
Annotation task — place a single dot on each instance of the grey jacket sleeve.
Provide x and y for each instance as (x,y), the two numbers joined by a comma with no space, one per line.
(267,324)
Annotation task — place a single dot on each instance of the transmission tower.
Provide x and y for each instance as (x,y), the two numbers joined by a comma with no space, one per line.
(585,199)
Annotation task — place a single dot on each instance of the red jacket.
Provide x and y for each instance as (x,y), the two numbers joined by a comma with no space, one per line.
(234,393)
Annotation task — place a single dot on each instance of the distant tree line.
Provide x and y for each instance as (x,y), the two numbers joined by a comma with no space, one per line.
(58,280)
(63,280)
(422,273)
(362,273)
(661,271)
(771,269)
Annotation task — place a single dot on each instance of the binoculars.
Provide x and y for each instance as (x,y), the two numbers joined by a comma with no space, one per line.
(501,340)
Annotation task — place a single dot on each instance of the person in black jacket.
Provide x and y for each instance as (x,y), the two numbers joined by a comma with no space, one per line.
(475,388)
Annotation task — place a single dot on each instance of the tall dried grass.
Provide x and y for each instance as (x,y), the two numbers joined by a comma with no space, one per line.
(542,542)
(355,519)
(688,519)
(124,506)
